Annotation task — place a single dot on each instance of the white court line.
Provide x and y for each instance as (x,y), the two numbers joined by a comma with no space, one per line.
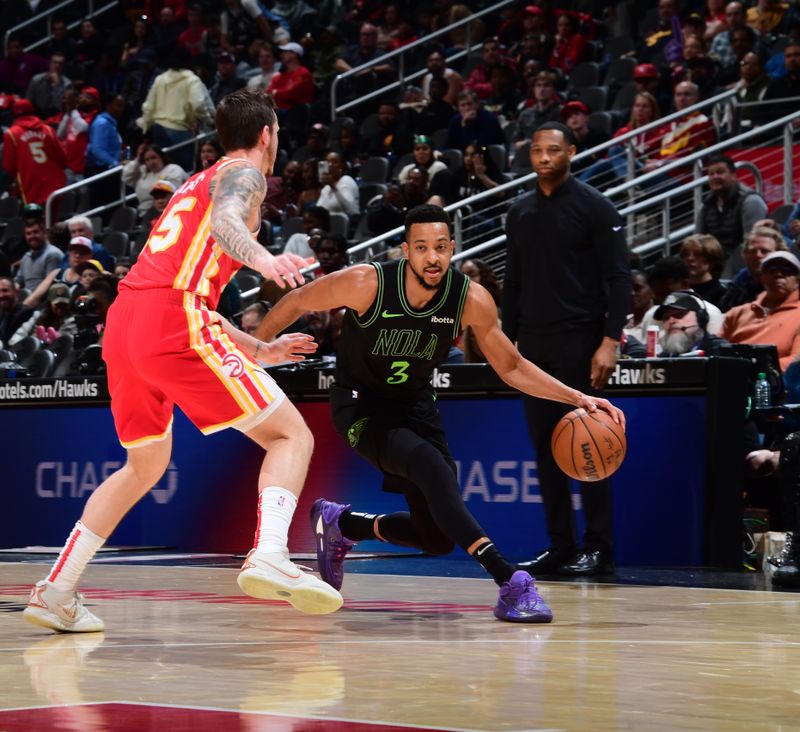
(448,643)
(159,557)
(775,601)
(561,583)
(234,710)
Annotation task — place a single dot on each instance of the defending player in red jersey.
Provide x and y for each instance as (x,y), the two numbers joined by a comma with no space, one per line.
(165,345)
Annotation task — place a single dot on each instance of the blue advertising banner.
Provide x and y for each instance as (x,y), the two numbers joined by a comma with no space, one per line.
(55,457)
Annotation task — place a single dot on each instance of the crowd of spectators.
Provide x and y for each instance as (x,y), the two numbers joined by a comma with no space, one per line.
(119,88)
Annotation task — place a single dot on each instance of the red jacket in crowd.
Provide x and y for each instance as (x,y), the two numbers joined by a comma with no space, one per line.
(291,88)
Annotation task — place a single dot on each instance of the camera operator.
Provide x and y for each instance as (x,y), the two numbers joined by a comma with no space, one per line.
(102,292)
(91,310)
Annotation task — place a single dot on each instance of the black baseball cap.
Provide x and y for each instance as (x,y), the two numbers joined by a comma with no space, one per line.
(679,301)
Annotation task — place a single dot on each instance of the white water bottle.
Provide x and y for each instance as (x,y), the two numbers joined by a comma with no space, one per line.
(762,392)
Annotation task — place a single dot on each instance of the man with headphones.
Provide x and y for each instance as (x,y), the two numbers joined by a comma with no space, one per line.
(684,319)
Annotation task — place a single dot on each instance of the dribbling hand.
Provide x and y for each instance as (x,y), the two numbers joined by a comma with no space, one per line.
(592,404)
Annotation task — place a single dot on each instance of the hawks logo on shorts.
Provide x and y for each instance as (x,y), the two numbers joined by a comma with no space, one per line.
(180,253)
(233,365)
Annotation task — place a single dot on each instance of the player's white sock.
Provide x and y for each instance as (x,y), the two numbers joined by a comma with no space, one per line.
(275,510)
(82,544)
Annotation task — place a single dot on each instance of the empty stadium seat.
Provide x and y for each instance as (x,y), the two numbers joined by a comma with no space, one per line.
(24,349)
(404,160)
(620,71)
(584,74)
(498,155)
(291,226)
(374,170)
(124,218)
(521,162)
(452,158)
(368,191)
(594,97)
(624,98)
(41,363)
(340,223)
(62,348)
(117,243)
(247,280)
(9,208)
(603,121)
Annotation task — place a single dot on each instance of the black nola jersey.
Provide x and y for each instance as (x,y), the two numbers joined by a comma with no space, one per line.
(392,349)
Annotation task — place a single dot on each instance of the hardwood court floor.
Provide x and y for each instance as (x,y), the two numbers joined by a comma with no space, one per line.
(185,650)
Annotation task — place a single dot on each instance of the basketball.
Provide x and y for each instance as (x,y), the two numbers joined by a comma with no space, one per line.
(588,447)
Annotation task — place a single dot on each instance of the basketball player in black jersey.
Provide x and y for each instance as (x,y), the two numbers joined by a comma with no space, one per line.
(401,319)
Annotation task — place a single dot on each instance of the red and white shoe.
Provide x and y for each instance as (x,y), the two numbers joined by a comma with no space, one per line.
(60,610)
(271,576)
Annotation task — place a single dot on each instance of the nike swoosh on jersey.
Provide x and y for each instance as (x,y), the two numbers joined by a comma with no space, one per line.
(615,228)
(386,314)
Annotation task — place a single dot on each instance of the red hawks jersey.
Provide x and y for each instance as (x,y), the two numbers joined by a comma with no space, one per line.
(180,253)
(33,154)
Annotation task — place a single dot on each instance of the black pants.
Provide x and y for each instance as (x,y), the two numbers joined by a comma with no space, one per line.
(407,444)
(568,357)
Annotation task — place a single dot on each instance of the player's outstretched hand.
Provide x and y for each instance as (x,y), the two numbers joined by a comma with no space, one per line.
(283,269)
(592,404)
(291,347)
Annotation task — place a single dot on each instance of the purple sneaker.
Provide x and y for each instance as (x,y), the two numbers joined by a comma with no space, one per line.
(331,545)
(519,602)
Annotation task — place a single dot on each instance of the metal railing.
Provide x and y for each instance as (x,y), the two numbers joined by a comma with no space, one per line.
(399,55)
(47,16)
(111,172)
(663,206)
(674,224)
(375,243)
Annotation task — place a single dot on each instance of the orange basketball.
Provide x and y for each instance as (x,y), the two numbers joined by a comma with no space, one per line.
(588,447)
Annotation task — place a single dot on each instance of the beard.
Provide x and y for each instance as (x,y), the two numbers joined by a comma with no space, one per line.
(421,279)
(675,342)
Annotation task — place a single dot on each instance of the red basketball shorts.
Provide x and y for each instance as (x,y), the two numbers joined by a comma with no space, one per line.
(163,348)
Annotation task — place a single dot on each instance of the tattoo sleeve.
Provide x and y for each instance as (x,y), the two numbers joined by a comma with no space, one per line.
(237,191)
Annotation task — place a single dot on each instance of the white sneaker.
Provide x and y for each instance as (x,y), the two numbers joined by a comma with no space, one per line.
(60,610)
(271,576)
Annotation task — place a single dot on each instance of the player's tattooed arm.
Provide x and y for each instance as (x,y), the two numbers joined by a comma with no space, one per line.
(237,192)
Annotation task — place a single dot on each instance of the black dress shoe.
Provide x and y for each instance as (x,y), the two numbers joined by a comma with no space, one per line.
(588,563)
(788,574)
(547,562)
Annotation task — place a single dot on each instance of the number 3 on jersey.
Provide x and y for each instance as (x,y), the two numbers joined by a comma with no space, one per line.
(169,227)
(399,374)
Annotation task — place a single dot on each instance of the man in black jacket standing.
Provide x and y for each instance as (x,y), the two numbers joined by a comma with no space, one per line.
(566,295)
